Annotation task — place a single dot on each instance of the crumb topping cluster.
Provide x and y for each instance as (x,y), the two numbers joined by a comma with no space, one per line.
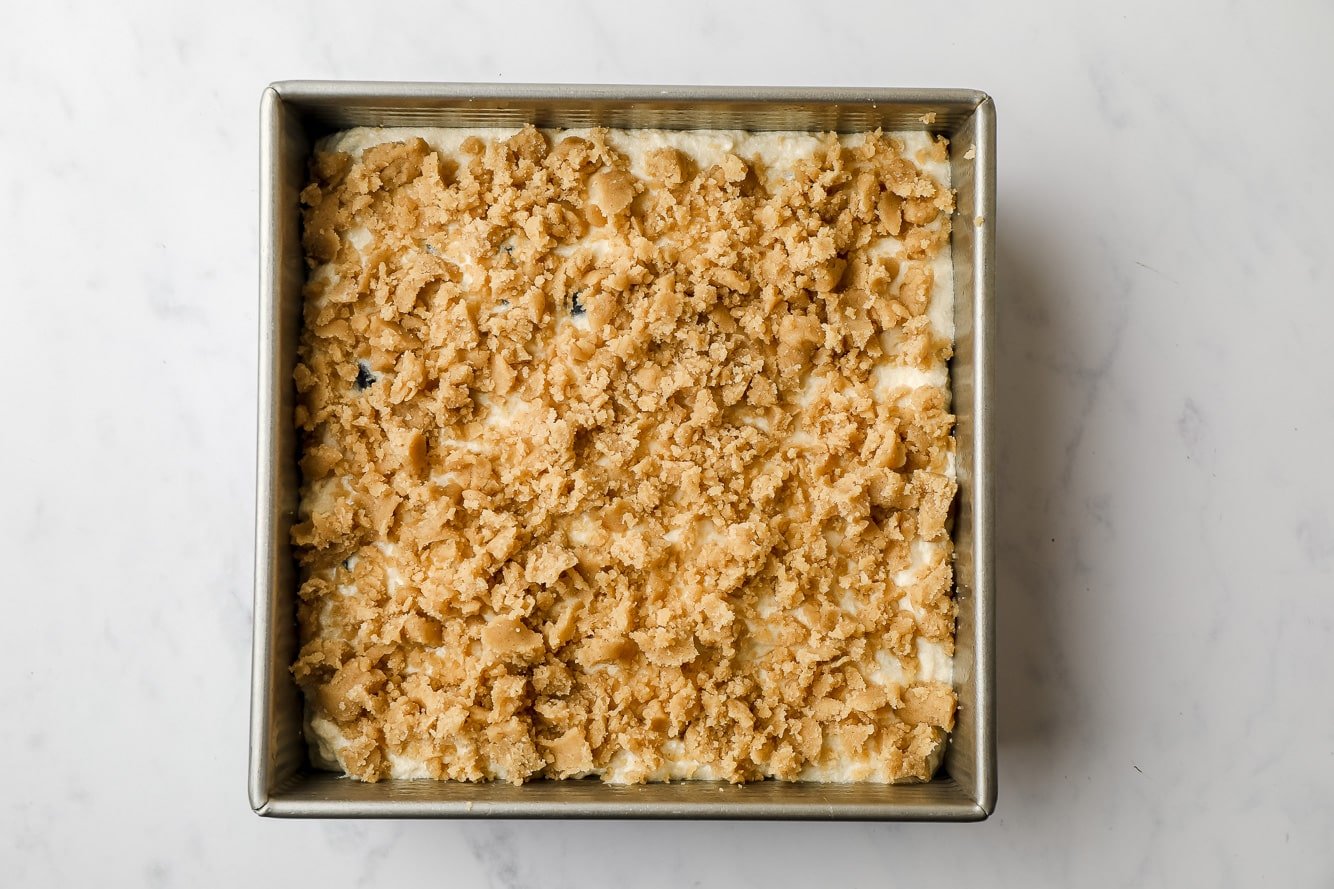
(602,473)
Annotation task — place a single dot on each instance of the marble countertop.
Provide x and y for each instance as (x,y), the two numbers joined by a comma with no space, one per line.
(1166,615)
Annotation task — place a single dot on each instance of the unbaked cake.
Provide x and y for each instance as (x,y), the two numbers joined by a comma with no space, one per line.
(626,454)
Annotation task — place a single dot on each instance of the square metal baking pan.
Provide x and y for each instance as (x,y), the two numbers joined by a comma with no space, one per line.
(293,115)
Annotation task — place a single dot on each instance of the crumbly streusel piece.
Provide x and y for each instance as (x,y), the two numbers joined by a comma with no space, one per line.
(604,468)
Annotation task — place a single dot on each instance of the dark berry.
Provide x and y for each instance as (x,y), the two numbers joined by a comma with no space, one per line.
(364,375)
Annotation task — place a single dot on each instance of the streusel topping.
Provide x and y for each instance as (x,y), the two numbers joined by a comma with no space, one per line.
(604,471)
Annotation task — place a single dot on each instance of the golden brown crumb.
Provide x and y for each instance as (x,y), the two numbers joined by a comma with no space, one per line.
(564,507)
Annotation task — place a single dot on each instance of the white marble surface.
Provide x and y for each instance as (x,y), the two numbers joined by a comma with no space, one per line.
(1166,534)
